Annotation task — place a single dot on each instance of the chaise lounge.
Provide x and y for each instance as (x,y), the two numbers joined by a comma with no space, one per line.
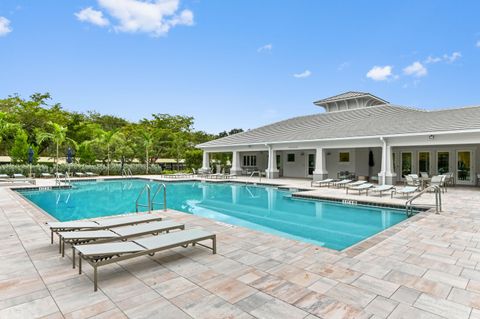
(381,189)
(104,254)
(360,188)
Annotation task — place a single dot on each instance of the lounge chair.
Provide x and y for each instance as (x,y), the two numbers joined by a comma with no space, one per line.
(102,223)
(20,176)
(5,178)
(324,182)
(79,174)
(357,183)
(360,188)
(380,189)
(90,174)
(407,190)
(59,175)
(342,183)
(103,254)
(46,175)
(116,234)
(439,181)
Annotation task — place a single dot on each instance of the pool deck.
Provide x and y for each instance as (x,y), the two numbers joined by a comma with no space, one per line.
(425,267)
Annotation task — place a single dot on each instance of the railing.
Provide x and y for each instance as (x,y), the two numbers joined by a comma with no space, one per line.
(438,199)
(127,172)
(149,203)
(259,175)
(66,178)
(160,187)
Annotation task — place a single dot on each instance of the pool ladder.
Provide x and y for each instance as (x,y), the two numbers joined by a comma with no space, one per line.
(127,172)
(151,199)
(438,200)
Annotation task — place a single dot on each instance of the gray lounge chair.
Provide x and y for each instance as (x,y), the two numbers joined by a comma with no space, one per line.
(103,223)
(90,174)
(103,254)
(116,234)
(360,188)
(380,189)
(79,174)
(46,175)
(407,190)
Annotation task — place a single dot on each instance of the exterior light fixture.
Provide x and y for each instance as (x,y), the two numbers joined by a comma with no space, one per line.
(431,137)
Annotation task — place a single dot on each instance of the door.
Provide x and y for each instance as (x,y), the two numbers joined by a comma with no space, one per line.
(311,164)
(443,162)
(406,164)
(464,167)
(424,162)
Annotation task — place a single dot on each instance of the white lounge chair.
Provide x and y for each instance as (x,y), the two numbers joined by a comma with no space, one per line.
(380,189)
(102,223)
(360,188)
(79,174)
(357,183)
(103,254)
(407,190)
(324,182)
(90,174)
(21,176)
(46,175)
(59,175)
(116,234)
(342,183)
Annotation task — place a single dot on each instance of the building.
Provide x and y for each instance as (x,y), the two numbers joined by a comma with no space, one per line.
(361,134)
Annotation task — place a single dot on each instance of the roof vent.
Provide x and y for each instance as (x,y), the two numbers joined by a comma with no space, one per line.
(349,101)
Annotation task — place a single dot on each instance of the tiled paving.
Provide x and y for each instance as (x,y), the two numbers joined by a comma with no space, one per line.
(426,267)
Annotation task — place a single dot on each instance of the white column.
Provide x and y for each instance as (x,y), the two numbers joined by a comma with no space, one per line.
(320,171)
(272,171)
(386,176)
(236,168)
(206,161)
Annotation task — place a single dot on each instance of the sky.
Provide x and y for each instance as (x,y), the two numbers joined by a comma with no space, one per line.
(238,64)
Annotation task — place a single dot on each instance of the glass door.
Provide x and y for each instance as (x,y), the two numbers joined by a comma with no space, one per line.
(424,162)
(443,162)
(464,167)
(311,164)
(406,164)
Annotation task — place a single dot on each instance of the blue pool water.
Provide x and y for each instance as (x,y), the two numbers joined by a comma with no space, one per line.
(329,224)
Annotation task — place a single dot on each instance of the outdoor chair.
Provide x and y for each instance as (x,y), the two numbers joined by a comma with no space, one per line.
(79,174)
(324,182)
(360,188)
(46,175)
(116,234)
(407,190)
(381,189)
(424,175)
(101,223)
(342,183)
(104,254)
(439,181)
(410,180)
(90,174)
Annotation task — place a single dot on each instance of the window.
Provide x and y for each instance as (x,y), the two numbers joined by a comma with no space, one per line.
(406,163)
(249,160)
(291,157)
(344,157)
(279,161)
(443,159)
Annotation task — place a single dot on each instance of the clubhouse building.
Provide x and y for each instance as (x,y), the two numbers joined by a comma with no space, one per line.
(360,136)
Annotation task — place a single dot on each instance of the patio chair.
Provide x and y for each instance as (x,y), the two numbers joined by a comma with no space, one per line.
(101,223)
(90,174)
(5,178)
(360,188)
(342,183)
(324,182)
(407,190)
(20,176)
(381,189)
(79,174)
(116,234)
(412,181)
(424,175)
(46,175)
(357,183)
(104,254)
(59,175)
(439,180)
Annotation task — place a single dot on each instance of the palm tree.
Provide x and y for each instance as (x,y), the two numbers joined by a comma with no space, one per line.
(178,144)
(108,138)
(58,136)
(148,143)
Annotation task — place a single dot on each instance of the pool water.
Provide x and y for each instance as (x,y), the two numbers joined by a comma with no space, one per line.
(330,224)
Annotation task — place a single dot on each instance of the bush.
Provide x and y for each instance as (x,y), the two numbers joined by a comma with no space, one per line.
(115,169)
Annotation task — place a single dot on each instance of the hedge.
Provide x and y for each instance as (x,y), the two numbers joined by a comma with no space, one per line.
(115,169)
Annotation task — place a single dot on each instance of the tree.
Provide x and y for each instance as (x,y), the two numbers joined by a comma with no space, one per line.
(58,137)
(20,149)
(193,158)
(85,153)
(147,143)
(108,138)
(178,146)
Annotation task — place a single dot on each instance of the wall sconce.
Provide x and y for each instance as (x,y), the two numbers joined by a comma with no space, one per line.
(431,137)
(302,154)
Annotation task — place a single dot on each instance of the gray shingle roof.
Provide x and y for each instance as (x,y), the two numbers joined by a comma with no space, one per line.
(347,96)
(383,120)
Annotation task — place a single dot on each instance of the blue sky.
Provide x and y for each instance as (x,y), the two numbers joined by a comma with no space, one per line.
(238,63)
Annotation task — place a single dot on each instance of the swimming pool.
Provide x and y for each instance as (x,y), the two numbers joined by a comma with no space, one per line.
(330,224)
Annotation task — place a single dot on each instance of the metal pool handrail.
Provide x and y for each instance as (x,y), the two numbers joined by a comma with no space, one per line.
(164,187)
(149,204)
(438,200)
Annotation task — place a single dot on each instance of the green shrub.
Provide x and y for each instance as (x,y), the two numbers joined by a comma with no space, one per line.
(115,169)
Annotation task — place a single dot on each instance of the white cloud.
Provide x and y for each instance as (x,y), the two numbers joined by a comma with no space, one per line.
(380,73)
(304,74)
(415,69)
(478,44)
(444,58)
(155,17)
(265,48)
(4,26)
(452,57)
(343,66)
(92,16)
